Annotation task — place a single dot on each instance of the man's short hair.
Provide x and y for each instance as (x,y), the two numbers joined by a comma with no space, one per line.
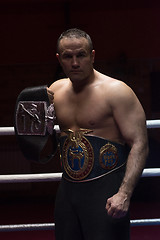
(75,33)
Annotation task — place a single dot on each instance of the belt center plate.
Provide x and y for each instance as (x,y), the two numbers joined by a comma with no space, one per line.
(78,155)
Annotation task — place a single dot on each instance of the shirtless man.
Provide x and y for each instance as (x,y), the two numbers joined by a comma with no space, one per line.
(95,207)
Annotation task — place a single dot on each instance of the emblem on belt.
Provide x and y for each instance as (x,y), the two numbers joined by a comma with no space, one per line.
(78,155)
(34,118)
(108,156)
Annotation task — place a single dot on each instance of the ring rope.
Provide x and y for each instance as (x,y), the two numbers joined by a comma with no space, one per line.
(51,226)
(153,123)
(49,177)
(40,177)
(151,172)
(27,227)
(145,222)
(10,130)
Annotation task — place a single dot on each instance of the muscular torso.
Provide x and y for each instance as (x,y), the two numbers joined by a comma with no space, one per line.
(87,109)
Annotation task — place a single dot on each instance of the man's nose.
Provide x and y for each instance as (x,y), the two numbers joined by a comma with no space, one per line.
(75,62)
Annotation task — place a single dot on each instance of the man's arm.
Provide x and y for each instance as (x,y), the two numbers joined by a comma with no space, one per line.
(129,115)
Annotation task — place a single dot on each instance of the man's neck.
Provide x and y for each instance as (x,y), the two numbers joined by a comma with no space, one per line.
(79,86)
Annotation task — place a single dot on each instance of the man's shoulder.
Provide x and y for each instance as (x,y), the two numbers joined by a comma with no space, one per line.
(59,83)
(112,83)
(115,89)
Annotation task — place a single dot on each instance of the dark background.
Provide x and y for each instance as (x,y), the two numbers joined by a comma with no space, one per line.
(126,37)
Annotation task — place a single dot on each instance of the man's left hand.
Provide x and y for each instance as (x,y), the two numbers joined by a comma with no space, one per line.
(117,206)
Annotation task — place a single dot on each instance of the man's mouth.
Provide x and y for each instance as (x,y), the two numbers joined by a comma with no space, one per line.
(75,71)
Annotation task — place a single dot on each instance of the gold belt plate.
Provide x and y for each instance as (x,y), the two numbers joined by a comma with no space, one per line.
(78,154)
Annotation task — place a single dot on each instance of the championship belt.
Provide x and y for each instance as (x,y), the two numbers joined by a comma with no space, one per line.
(87,157)
(34,124)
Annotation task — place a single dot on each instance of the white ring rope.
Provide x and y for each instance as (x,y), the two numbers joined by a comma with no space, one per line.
(27,227)
(153,123)
(49,177)
(145,222)
(10,130)
(7,131)
(151,172)
(40,177)
(51,226)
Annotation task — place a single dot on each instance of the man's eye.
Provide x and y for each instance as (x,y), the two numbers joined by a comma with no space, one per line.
(67,56)
(81,55)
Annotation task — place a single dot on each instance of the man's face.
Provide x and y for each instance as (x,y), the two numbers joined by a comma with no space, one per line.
(75,58)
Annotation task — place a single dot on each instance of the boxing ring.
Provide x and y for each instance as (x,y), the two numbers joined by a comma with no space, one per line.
(49,177)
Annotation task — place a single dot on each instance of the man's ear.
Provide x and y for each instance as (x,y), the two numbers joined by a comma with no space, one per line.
(57,56)
(93,55)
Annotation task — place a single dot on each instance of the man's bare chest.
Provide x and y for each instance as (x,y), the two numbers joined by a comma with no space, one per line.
(88,111)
